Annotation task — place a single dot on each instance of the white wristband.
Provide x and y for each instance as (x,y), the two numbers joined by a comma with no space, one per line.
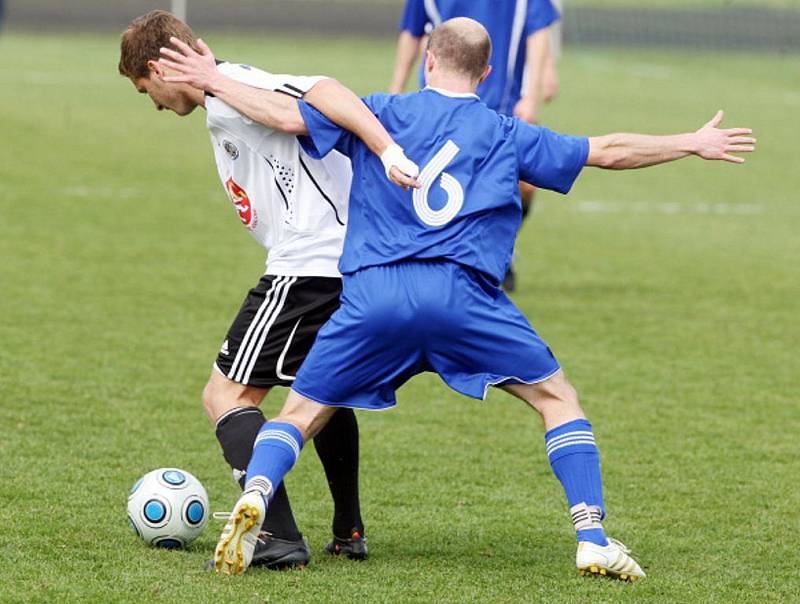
(393,156)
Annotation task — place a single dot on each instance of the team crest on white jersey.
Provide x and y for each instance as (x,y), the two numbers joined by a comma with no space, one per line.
(231,149)
(241,202)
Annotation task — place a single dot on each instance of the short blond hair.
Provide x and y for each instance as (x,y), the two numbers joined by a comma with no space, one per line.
(462,45)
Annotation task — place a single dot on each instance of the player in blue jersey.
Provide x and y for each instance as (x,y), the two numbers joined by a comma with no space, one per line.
(519,30)
(421,273)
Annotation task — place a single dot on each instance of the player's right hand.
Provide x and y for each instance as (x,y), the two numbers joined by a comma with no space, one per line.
(403,180)
(198,69)
(399,169)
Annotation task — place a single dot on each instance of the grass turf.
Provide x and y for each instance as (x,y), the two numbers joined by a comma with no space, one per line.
(670,296)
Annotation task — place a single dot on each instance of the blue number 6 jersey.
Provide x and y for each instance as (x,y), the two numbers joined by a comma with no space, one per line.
(471,159)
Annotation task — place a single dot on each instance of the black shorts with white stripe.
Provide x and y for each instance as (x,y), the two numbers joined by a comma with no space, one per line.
(275,328)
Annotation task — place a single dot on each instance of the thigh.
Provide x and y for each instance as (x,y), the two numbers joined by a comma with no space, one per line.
(487,342)
(275,328)
(368,348)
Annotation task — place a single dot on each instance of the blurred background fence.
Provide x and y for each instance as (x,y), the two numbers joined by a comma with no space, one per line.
(768,25)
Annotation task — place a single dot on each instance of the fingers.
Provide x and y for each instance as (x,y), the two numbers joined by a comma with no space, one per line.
(170,54)
(172,65)
(742,140)
(737,131)
(741,148)
(717,119)
(182,46)
(403,180)
(177,79)
(733,159)
(204,49)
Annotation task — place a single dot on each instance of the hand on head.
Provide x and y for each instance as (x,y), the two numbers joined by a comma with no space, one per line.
(198,69)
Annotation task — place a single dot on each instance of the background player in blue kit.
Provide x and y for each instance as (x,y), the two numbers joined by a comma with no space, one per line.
(519,31)
(421,273)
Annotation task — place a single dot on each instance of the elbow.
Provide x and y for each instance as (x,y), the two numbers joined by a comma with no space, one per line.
(292,125)
(614,159)
(323,87)
(605,153)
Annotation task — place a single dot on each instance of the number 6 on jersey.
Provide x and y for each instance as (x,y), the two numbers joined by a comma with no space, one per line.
(455,193)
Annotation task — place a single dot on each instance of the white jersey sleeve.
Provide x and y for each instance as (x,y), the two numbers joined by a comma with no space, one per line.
(291,204)
(227,117)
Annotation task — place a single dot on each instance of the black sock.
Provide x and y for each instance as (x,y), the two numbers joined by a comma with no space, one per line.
(236,432)
(526,208)
(337,447)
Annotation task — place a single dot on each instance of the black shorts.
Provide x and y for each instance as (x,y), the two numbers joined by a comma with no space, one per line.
(275,328)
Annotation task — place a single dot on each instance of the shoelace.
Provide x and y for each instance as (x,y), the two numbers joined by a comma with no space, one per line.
(221,515)
(625,549)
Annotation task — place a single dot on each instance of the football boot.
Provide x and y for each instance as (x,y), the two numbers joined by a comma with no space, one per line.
(611,561)
(237,543)
(353,547)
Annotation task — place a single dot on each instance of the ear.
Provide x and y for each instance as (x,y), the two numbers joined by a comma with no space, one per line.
(156,70)
(485,74)
(430,61)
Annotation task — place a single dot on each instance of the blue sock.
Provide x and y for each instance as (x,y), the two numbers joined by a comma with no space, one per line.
(275,452)
(576,462)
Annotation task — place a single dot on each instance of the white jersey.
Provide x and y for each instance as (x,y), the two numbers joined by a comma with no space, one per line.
(293,205)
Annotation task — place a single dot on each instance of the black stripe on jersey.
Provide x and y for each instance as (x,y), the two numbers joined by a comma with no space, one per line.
(277,184)
(290,91)
(297,90)
(321,192)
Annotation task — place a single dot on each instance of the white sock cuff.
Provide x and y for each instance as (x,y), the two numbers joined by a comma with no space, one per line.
(585,517)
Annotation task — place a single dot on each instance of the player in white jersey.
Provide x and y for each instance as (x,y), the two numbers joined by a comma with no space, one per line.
(296,207)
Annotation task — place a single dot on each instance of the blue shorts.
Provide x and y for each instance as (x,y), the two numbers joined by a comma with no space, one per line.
(398,320)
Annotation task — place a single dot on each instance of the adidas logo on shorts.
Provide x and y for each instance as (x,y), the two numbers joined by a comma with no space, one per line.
(224,349)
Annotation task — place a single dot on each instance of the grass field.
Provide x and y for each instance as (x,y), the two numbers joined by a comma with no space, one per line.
(670,296)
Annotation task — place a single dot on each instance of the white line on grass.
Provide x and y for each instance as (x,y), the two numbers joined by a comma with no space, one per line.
(660,207)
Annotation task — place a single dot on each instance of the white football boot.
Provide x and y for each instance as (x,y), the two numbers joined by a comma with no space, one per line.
(611,560)
(234,551)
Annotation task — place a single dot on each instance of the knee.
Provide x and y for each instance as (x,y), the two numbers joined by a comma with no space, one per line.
(211,401)
(221,395)
(560,403)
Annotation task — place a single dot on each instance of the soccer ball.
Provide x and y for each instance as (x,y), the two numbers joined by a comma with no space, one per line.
(168,507)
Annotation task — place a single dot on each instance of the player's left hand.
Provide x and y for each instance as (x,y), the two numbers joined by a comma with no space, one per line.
(526,111)
(198,69)
(713,142)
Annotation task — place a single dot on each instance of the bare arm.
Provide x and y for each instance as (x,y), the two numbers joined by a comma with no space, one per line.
(281,112)
(550,83)
(627,151)
(537,49)
(407,51)
(271,109)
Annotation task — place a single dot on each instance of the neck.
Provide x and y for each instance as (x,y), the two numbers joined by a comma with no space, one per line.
(451,82)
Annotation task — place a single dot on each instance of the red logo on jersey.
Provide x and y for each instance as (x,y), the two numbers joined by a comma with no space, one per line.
(240,201)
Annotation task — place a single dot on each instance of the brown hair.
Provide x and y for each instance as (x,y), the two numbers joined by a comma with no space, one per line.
(145,36)
(461,45)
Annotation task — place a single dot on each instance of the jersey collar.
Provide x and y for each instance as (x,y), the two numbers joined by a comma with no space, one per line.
(455,95)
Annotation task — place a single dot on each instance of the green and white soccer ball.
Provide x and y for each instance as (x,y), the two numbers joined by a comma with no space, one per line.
(168,507)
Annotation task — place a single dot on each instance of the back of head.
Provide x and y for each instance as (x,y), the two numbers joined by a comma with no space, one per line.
(144,37)
(462,46)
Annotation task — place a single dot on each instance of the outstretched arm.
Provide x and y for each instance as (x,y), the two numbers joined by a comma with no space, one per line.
(280,111)
(626,151)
